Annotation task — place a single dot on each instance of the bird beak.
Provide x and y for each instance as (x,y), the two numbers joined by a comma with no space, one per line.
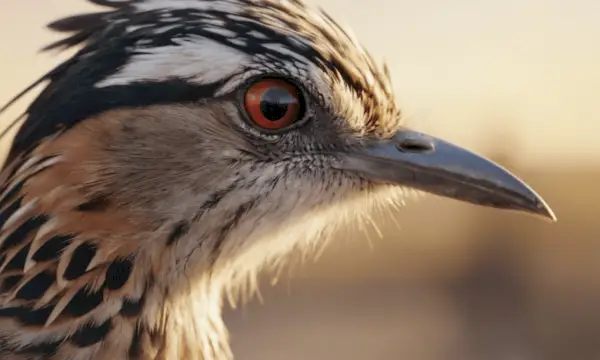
(435,166)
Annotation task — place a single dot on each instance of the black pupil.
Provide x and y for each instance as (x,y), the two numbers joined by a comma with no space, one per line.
(275,103)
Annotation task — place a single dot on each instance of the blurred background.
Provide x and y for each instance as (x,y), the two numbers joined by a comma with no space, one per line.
(516,80)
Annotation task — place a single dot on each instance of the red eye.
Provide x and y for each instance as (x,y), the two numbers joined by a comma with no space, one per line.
(273,104)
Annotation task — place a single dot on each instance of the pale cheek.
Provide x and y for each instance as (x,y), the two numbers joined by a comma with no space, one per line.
(292,215)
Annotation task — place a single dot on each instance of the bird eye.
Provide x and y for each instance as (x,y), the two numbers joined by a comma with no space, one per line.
(273,104)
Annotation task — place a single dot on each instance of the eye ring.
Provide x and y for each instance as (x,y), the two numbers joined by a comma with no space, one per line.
(273,104)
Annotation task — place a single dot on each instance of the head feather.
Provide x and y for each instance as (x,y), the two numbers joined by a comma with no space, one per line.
(272,30)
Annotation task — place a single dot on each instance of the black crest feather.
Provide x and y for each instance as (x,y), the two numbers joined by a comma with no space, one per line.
(84,26)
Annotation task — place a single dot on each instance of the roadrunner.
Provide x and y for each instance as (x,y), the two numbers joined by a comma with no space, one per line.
(187,145)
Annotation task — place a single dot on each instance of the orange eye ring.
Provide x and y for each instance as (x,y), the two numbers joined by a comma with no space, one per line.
(273,104)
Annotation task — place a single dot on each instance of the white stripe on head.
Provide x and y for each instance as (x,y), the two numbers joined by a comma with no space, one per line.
(198,59)
(229,6)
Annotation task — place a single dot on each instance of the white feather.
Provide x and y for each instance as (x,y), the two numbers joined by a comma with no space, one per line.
(228,6)
(195,58)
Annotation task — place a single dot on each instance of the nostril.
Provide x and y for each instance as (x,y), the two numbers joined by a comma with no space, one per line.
(415,145)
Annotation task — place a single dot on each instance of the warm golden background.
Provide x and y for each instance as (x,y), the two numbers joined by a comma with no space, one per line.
(518,80)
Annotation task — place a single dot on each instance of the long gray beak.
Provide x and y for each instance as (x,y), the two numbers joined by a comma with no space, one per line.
(435,166)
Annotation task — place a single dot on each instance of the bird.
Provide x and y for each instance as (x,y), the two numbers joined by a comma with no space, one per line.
(185,147)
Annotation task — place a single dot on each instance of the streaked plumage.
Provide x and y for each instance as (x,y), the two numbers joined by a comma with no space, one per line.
(137,192)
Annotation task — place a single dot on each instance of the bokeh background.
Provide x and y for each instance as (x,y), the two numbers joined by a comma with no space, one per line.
(517,80)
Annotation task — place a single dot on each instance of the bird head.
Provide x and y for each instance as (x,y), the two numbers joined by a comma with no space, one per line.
(189,143)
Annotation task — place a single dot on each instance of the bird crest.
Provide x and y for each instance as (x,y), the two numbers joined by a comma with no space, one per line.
(273,33)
